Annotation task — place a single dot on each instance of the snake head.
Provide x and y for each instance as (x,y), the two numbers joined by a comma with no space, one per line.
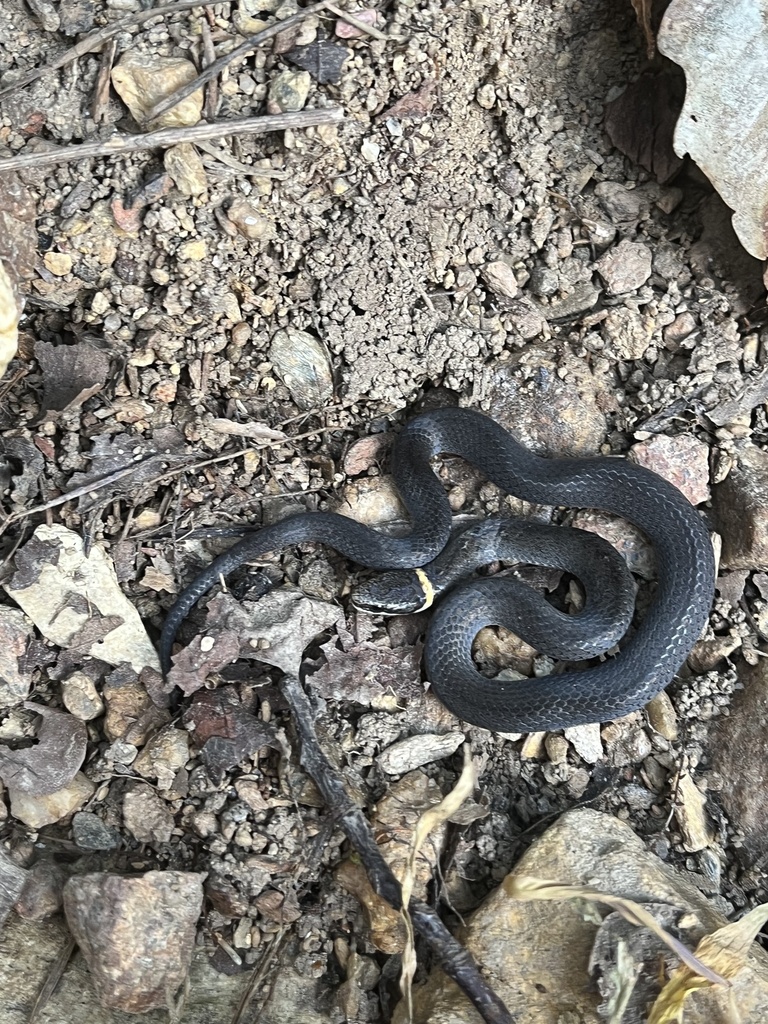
(394,593)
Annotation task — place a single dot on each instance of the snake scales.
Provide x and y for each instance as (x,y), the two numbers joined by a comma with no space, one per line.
(647,661)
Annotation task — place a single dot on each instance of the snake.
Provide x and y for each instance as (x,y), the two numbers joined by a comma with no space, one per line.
(647,660)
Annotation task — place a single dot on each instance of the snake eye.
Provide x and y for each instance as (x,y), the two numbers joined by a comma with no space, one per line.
(391,593)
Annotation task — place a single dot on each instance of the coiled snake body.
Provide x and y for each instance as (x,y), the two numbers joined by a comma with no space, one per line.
(647,661)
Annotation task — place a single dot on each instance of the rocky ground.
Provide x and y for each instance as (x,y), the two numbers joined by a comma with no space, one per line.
(230,334)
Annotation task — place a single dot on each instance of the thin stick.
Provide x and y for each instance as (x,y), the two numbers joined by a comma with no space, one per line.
(111,478)
(209,56)
(172,136)
(370,30)
(77,492)
(94,41)
(101,92)
(54,977)
(250,44)
(454,959)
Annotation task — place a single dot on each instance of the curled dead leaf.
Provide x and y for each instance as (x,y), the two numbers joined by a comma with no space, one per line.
(431,819)
(525,887)
(724,952)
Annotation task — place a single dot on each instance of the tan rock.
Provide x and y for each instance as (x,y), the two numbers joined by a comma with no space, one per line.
(682,459)
(37,811)
(536,954)
(550,401)
(142,80)
(691,814)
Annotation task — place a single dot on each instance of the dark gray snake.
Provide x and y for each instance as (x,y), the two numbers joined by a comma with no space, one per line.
(647,661)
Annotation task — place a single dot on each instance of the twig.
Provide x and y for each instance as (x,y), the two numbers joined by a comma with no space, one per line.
(119,474)
(370,30)
(223,156)
(209,56)
(101,92)
(259,975)
(172,136)
(77,492)
(94,41)
(454,959)
(54,977)
(250,44)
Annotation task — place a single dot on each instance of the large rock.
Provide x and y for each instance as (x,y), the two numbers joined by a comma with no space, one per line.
(552,402)
(741,508)
(536,954)
(737,748)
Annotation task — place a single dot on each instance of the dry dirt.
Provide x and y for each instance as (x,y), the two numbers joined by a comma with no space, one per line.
(377,237)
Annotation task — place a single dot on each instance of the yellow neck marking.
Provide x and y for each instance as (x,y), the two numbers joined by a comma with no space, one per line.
(426,586)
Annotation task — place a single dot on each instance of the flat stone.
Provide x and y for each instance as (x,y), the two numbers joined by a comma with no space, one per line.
(622,204)
(137,934)
(373,501)
(556,747)
(81,698)
(662,716)
(501,279)
(737,748)
(91,833)
(163,755)
(415,751)
(552,403)
(37,811)
(185,166)
(16,631)
(142,80)
(31,950)
(12,878)
(691,814)
(581,298)
(741,508)
(586,741)
(146,816)
(682,459)
(682,326)
(628,333)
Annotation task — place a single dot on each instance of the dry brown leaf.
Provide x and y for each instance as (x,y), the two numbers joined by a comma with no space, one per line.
(395,820)
(526,887)
(206,654)
(429,821)
(71,374)
(10,311)
(275,629)
(224,730)
(417,104)
(724,951)
(369,675)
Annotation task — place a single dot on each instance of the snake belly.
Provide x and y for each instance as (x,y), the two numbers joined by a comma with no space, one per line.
(646,663)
